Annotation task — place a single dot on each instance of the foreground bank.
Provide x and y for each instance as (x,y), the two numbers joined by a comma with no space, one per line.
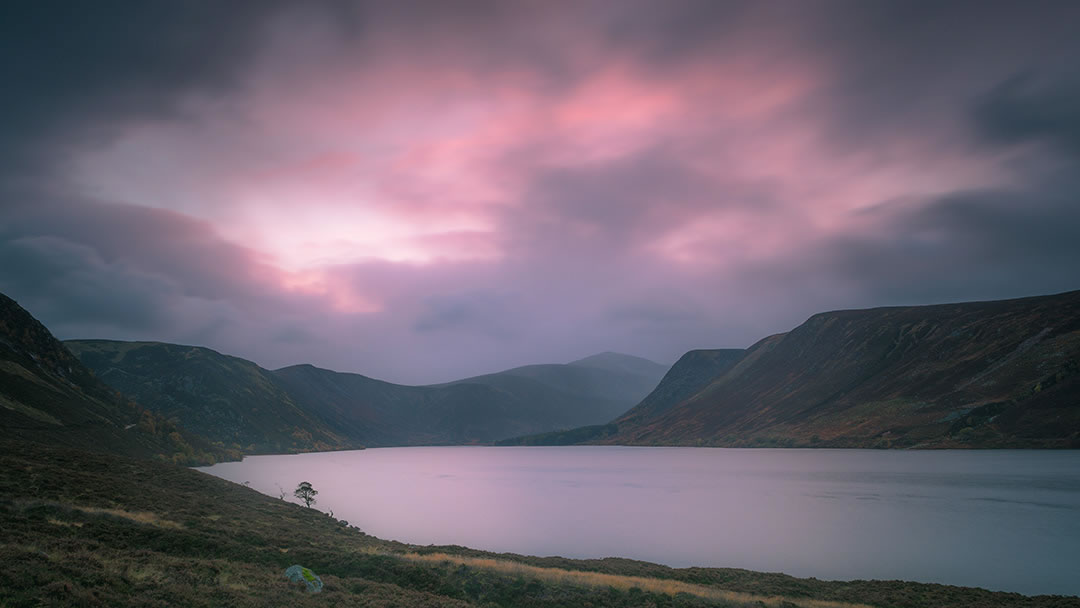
(79,528)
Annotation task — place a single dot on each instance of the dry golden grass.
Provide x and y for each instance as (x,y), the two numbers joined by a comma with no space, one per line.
(26,410)
(68,524)
(624,583)
(142,517)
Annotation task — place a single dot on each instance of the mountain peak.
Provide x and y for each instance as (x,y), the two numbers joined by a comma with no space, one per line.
(620,362)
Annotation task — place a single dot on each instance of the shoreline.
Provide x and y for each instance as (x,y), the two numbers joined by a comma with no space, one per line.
(169,533)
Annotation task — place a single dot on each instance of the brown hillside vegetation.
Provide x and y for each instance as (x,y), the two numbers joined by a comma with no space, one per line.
(981,374)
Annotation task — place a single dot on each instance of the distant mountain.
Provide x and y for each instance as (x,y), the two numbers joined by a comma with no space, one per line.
(298,408)
(981,374)
(48,396)
(624,364)
(692,372)
(523,400)
(588,391)
(384,414)
(225,399)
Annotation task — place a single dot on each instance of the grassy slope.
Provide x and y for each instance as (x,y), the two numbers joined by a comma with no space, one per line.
(90,529)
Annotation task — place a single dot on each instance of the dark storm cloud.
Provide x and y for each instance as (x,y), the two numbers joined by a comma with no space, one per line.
(70,70)
(918,64)
(991,243)
(155,241)
(1025,108)
(1003,73)
(965,246)
(82,287)
(90,268)
(666,175)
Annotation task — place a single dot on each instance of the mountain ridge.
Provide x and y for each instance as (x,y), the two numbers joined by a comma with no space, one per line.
(240,404)
(517,401)
(224,398)
(893,376)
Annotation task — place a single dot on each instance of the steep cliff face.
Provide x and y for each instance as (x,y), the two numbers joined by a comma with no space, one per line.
(48,395)
(982,374)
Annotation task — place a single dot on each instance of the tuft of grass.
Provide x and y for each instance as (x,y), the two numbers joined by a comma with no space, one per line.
(142,517)
(69,524)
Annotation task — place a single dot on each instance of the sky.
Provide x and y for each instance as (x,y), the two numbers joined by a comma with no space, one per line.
(422,191)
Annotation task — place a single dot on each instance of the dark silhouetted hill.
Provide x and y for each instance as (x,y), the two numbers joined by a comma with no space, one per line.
(48,396)
(225,399)
(980,374)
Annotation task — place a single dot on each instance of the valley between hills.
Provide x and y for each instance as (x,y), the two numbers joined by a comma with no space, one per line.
(1000,374)
(95,510)
(1003,374)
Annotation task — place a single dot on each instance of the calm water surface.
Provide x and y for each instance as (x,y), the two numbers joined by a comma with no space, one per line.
(1003,520)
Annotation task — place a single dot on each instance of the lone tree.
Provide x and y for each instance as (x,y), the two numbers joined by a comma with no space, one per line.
(306,493)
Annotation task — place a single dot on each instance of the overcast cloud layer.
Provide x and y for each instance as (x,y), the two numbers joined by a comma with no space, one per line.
(422,191)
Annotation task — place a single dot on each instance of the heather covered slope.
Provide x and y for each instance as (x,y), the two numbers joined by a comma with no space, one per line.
(47,395)
(982,374)
(92,529)
(225,399)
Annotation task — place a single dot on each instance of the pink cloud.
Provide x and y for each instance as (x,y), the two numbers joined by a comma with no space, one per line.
(600,178)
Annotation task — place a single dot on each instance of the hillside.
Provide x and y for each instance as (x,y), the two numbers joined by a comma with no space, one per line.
(225,399)
(981,374)
(48,396)
(92,529)
(382,413)
(691,373)
(530,399)
(592,390)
